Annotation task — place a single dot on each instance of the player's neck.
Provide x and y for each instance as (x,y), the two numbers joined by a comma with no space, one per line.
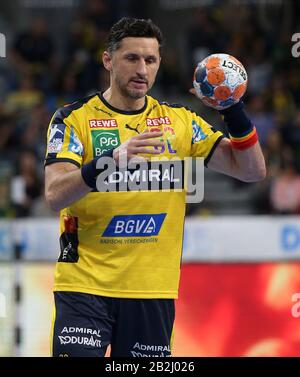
(116,100)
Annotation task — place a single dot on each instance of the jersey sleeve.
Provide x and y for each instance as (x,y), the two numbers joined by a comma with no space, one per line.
(64,143)
(204,139)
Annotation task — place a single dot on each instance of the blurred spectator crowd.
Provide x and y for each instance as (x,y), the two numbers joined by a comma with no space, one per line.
(37,79)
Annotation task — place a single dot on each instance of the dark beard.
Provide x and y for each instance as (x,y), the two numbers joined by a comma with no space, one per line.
(132,94)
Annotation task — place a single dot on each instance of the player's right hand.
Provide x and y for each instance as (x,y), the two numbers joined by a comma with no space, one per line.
(132,148)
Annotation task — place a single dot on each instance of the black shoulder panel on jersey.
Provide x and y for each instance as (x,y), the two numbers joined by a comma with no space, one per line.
(64,112)
(206,161)
(177,105)
(53,160)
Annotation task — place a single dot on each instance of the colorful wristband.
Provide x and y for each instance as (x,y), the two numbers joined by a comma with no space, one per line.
(244,142)
(89,171)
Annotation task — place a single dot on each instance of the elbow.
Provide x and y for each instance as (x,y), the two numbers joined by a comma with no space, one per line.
(262,173)
(256,175)
(52,201)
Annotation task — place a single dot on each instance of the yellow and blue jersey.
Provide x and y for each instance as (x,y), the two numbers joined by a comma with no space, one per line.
(125,242)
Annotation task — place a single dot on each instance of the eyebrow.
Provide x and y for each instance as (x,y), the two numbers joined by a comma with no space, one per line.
(133,54)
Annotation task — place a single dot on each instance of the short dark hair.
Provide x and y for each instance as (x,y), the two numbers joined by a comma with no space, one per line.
(133,27)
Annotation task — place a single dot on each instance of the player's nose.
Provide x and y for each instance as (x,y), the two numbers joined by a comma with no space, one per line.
(141,68)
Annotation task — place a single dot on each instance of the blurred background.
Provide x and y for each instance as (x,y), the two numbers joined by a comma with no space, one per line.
(242,243)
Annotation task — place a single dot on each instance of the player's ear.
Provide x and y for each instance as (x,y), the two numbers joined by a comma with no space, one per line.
(106,59)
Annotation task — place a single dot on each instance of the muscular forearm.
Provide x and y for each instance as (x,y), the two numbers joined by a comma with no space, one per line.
(65,183)
(247,160)
(249,164)
(246,165)
(61,190)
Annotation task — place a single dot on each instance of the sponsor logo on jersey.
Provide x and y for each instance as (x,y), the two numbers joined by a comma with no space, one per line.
(151,176)
(75,144)
(69,241)
(80,335)
(104,140)
(83,340)
(103,111)
(103,123)
(158,121)
(135,129)
(81,330)
(135,225)
(56,138)
(198,133)
(152,350)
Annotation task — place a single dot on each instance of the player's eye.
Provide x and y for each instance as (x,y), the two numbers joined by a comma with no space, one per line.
(151,60)
(132,57)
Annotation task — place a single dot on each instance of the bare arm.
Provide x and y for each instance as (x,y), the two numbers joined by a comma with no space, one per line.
(247,165)
(63,185)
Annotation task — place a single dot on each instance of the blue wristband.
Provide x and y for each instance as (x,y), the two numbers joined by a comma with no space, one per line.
(237,121)
(89,171)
